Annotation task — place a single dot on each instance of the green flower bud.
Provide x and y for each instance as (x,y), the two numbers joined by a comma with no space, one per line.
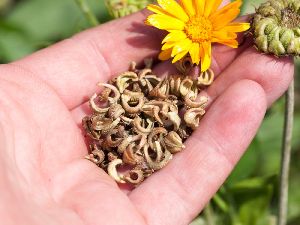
(120,8)
(276,27)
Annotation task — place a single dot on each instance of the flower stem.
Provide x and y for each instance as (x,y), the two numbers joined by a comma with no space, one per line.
(286,155)
(87,12)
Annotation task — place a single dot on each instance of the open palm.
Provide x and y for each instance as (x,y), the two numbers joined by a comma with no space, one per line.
(44,178)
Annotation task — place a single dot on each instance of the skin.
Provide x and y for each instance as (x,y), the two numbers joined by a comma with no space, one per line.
(43,176)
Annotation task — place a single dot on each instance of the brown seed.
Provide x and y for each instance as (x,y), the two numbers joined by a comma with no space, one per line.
(152,111)
(190,101)
(124,79)
(143,126)
(97,155)
(206,78)
(134,177)
(157,134)
(147,80)
(192,117)
(140,120)
(184,65)
(104,125)
(129,156)
(154,164)
(187,86)
(87,126)
(95,107)
(115,111)
(161,91)
(112,171)
(110,141)
(130,107)
(111,156)
(111,100)
(175,83)
(173,142)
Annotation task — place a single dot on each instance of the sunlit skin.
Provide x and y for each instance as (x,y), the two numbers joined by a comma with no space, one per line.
(43,176)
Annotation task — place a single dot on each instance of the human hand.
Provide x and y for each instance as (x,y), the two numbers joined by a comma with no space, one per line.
(44,176)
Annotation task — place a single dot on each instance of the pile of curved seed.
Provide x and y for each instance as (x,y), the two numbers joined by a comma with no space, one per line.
(140,120)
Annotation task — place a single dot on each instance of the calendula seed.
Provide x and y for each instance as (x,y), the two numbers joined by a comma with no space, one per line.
(112,171)
(144,121)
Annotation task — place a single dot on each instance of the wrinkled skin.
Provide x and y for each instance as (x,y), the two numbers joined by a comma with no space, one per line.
(43,176)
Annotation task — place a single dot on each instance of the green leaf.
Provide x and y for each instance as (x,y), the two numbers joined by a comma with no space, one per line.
(253,198)
(40,22)
(14,43)
(248,164)
(221,203)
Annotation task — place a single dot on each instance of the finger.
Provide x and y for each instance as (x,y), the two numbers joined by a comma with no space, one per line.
(273,74)
(74,66)
(93,195)
(182,189)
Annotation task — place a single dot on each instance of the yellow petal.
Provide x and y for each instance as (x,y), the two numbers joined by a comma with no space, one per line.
(199,5)
(211,6)
(172,7)
(168,45)
(205,56)
(234,5)
(237,27)
(147,23)
(230,42)
(195,53)
(165,22)
(158,10)
(173,36)
(180,56)
(188,7)
(223,34)
(181,46)
(223,19)
(165,55)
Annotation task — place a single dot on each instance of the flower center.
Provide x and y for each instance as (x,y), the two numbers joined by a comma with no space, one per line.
(290,18)
(198,29)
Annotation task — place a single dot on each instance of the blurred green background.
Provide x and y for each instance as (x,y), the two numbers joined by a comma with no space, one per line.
(250,195)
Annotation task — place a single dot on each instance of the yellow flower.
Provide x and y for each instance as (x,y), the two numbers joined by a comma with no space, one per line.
(193,26)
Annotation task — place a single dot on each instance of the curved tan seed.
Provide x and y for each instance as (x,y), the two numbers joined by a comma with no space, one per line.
(134,177)
(206,78)
(139,125)
(132,109)
(173,142)
(192,117)
(154,165)
(124,79)
(95,107)
(157,134)
(111,100)
(190,101)
(112,171)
